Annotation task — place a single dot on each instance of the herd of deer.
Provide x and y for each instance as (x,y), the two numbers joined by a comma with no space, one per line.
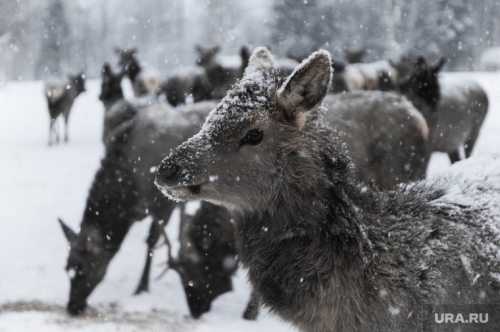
(310,176)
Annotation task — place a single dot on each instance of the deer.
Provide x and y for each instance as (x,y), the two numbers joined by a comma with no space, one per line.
(60,98)
(378,75)
(122,193)
(145,81)
(385,135)
(454,108)
(322,251)
(461,111)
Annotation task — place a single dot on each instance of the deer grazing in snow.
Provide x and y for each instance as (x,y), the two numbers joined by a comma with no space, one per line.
(60,98)
(145,81)
(123,192)
(323,252)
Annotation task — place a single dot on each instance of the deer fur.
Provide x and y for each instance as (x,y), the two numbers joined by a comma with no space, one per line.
(60,98)
(461,111)
(322,252)
(385,136)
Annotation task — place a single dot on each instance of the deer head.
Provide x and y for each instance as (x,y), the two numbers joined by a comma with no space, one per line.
(251,143)
(86,265)
(422,81)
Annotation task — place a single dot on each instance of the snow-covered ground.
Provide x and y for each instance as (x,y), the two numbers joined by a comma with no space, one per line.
(40,183)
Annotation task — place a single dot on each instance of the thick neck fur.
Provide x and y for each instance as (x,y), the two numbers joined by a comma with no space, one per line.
(308,240)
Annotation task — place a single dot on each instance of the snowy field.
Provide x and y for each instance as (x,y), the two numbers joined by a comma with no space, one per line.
(40,183)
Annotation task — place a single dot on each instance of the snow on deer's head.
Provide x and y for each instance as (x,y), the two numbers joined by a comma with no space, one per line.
(250,144)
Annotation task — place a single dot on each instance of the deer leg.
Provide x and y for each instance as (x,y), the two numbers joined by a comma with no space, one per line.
(51,129)
(454,156)
(153,236)
(252,309)
(471,141)
(66,128)
(56,129)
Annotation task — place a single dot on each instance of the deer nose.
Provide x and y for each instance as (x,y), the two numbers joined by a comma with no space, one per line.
(166,172)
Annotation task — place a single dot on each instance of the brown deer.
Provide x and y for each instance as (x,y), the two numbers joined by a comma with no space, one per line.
(321,251)
(60,98)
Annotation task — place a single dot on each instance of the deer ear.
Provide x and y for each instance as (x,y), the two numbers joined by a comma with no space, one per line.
(439,65)
(305,88)
(199,49)
(68,232)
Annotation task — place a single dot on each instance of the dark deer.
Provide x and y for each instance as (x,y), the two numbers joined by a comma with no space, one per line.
(210,235)
(111,89)
(122,192)
(206,261)
(322,252)
(145,81)
(184,82)
(422,88)
(60,98)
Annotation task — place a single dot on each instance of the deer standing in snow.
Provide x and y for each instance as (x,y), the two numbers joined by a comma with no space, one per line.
(60,98)
(322,252)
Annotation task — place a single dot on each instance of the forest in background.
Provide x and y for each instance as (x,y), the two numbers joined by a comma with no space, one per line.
(41,39)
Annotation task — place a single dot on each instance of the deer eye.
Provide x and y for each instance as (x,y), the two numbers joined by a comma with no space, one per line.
(253,137)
